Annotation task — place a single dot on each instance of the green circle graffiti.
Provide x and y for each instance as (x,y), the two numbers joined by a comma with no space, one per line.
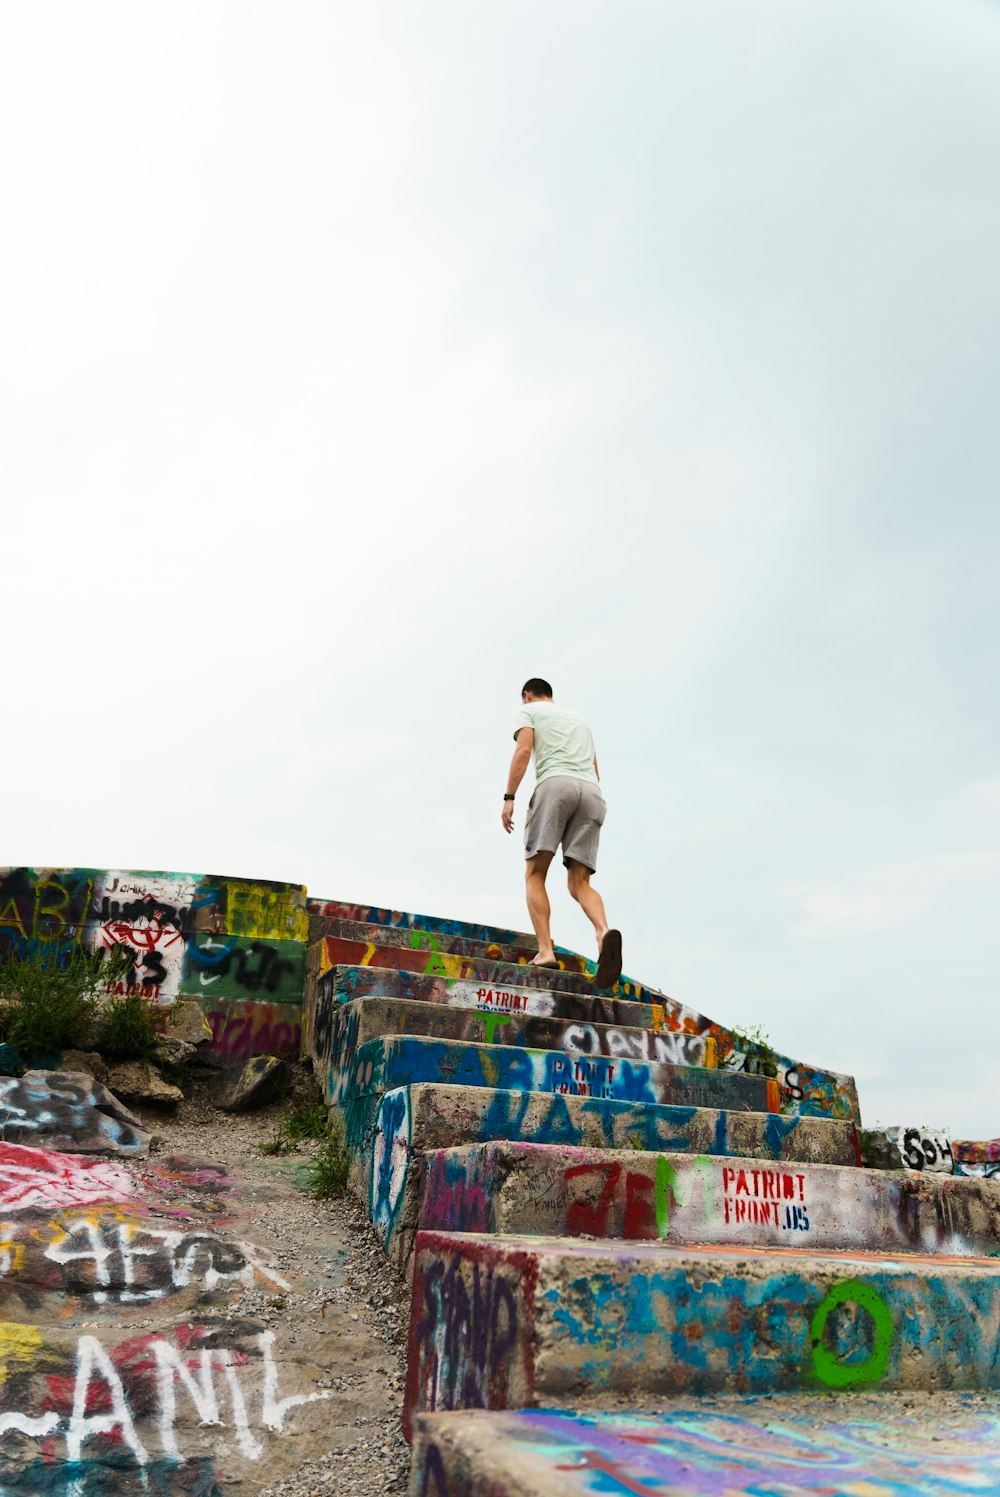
(828,1368)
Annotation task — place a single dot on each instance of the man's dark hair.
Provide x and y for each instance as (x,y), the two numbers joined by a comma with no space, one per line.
(537,687)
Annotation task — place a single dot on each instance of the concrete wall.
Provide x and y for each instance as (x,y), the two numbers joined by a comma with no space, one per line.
(236,945)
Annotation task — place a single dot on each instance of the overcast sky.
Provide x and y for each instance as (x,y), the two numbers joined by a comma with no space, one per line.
(358,361)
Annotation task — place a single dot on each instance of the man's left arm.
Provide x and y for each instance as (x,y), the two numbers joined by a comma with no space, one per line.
(518,765)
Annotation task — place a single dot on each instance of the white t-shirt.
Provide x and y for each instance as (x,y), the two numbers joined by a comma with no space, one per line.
(564,743)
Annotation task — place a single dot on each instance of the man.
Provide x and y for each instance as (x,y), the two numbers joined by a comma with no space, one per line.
(567,808)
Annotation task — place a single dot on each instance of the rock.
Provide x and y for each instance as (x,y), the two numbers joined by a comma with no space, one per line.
(140,1081)
(85,1060)
(254,1085)
(11,1063)
(186,1021)
(174,1052)
(70,1112)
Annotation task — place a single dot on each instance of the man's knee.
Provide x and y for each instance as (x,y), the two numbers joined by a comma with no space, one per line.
(538,866)
(578,878)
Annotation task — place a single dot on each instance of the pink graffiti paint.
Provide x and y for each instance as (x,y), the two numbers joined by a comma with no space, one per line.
(39,1177)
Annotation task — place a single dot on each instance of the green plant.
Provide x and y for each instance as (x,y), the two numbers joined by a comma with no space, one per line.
(53,1000)
(633,1141)
(127,1026)
(307,1120)
(278,1143)
(329,1166)
(755,1043)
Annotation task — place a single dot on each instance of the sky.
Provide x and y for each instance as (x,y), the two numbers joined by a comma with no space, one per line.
(358,362)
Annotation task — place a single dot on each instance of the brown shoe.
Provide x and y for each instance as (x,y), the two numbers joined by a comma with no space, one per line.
(609,963)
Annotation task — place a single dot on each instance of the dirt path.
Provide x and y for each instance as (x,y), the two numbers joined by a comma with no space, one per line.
(343,1313)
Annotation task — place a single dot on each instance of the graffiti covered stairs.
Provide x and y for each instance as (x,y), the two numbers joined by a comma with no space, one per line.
(601,1211)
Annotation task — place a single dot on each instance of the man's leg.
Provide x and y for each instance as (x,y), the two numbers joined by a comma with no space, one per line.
(535,870)
(587,897)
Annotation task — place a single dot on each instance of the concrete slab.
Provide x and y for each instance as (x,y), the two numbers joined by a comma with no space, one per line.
(402,1060)
(414,939)
(337,909)
(390,1137)
(502,1322)
(521,1188)
(880,1444)
(369,1018)
(345,971)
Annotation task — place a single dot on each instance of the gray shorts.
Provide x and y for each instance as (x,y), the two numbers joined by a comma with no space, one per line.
(569,810)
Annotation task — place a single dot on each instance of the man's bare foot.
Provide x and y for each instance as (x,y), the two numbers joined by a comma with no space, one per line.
(544,959)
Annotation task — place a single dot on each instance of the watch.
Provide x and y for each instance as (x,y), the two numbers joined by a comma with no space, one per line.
(508,797)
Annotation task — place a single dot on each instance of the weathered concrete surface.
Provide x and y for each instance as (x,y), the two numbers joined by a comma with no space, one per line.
(554,1191)
(143,1346)
(521,1323)
(402,1060)
(369,1018)
(332,909)
(390,1136)
(922,1149)
(886,1444)
(970,1151)
(416,939)
(498,989)
(68,1111)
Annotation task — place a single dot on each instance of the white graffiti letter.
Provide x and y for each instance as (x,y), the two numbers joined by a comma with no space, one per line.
(91,1357)
(201,1391)
(275,1408)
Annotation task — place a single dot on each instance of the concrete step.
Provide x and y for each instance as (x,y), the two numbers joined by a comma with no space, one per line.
(366,1019)
(524,1188)
(391,1135)
(803,1089)
(516,953)
(890,1445)
(402,1060)
(506,1322)
(335,951)
(336,909)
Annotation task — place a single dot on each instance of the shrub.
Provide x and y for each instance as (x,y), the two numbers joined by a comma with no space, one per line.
(52,1002)
(127,1027)
(329,1166)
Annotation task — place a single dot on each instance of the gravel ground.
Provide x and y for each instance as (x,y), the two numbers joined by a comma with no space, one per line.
(335,1264)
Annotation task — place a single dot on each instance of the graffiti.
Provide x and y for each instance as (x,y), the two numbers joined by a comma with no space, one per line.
(331,909)
(39,1177)
(704,1451)
(155,950)
(71,1113)
(922,1149)
(239,967)
(114,1392)
(467,1322)
(113,1255)
(240,1030)
(965,1151)
(532,1188)
(404,1059)
(650,1322)
(352,970)
(857,1350)
(271,912)
(390,1161)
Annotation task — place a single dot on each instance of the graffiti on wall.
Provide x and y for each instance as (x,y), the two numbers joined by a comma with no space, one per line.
(606,1319)
(384,1063)
(245,939)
